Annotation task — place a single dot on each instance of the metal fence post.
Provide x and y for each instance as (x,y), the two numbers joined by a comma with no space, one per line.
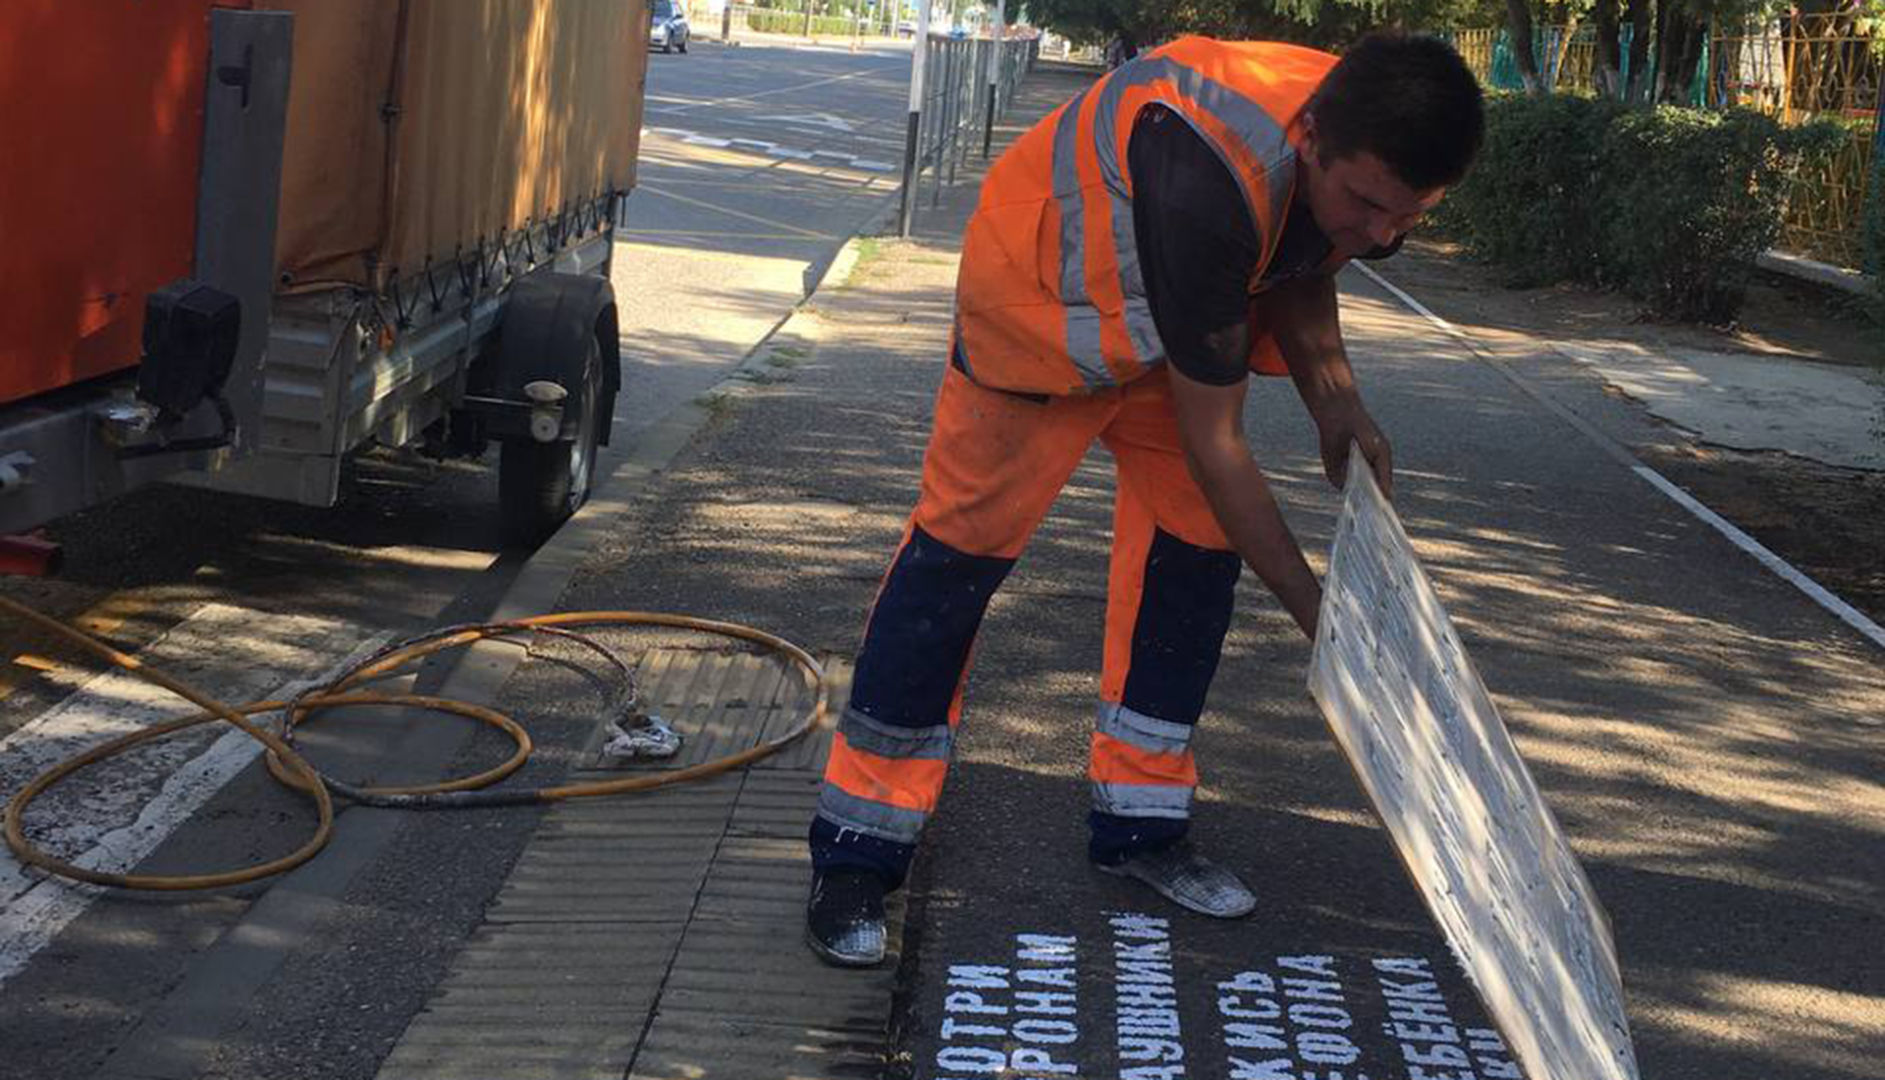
(919,51)
(938,122)
(965,62)
(998,46)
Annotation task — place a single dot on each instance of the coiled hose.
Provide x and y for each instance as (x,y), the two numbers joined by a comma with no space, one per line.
(294,770)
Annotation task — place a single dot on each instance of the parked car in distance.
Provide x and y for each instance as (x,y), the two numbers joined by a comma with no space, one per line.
(670,31)
(906,28)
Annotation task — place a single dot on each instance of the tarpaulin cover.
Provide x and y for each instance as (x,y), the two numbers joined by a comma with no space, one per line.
(419,128)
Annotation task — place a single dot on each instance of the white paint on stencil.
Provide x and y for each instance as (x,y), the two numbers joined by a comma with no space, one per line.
(1408,709)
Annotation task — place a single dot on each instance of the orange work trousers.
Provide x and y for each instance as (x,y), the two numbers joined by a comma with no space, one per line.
(996,461)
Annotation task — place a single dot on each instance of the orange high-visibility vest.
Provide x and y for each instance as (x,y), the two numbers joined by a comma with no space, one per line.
(1049,296)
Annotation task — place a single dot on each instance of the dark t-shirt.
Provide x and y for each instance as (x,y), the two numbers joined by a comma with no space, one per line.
(1198,246)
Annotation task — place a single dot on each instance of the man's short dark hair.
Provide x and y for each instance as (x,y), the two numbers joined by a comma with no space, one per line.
(1407,99)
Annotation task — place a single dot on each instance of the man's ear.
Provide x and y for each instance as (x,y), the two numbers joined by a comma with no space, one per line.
(1311,148)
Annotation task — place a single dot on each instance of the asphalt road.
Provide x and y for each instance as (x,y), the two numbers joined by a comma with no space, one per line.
(756,166)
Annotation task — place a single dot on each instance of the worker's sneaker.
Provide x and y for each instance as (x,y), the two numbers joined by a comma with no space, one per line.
(1187,879)
(844,920)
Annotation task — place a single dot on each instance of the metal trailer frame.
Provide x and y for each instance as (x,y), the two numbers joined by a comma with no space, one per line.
(346,367)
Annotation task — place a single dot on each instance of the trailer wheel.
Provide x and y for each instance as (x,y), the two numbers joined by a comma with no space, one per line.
(539,484)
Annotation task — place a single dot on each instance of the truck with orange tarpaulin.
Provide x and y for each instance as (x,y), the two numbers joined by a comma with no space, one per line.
(244,239)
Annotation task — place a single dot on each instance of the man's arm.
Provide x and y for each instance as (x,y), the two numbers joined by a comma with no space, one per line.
(1304,317)
(1211,429)
(1198,247)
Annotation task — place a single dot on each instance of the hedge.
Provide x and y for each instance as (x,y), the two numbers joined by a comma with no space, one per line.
(1668,204)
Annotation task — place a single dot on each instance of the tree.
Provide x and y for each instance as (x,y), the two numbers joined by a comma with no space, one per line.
(1519,22)
(1680,34)
(1639,51)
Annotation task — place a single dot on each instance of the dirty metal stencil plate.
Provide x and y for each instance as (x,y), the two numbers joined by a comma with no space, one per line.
(1429,747)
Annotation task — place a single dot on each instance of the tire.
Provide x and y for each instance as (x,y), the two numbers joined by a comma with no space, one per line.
(539,485)
(666,48)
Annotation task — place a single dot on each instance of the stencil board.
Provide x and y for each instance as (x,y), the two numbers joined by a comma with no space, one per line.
(1429,747)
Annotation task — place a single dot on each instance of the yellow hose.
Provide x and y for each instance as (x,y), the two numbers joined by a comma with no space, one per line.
(295,771)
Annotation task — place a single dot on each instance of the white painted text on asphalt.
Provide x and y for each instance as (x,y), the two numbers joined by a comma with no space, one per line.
(1017,1021)
(1432,1045)
(1149,1039)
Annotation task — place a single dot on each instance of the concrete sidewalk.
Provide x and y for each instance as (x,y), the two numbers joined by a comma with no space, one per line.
(1705,733)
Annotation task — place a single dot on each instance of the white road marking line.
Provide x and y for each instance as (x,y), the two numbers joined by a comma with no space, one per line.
(123,824)
(730,212)
(853,137)
(772,149)
(812,120)
(867,73)
(1786,571)
(1820,594)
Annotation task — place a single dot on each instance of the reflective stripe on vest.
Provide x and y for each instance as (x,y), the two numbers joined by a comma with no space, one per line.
(1106,334)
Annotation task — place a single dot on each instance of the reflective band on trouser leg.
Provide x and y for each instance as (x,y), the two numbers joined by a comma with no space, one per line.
(1132,782)
(1141,798)
(891,750)
(889,798)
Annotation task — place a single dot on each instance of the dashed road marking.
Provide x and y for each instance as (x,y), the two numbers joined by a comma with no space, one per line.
(114,814)
(773,149)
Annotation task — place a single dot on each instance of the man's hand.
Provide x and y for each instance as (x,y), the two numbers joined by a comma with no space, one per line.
(1306,321)
(1341,423)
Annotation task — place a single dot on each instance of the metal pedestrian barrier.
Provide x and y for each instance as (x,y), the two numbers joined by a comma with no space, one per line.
(968,84)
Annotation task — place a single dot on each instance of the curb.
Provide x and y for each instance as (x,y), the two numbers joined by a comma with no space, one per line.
(1825,275)
(482,669)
